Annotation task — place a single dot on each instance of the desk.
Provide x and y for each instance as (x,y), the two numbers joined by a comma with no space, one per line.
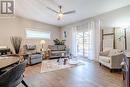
(7,61)
(126,69)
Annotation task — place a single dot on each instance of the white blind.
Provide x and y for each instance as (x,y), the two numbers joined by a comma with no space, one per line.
(37,34)
(82,28)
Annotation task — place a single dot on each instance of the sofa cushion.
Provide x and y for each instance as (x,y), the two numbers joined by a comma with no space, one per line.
(56,47)
(61,47)
(104,59)
(3,47)
(31,47)
(58,51)
(35,56)
(52,47)
(114,52)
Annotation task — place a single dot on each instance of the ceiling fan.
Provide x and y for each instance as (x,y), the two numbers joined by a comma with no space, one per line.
(60,12)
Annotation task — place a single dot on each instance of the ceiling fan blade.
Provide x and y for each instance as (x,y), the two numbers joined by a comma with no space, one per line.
(52,9)
(69,12)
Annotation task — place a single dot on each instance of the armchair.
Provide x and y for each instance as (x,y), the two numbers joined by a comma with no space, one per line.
(111,59)
(14,76)
(33,56)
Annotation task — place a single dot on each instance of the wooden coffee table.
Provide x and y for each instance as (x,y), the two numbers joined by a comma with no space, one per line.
(8,61)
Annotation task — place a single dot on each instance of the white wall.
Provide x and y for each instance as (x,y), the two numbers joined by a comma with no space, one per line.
(69,35)
(116,18)
(16,27)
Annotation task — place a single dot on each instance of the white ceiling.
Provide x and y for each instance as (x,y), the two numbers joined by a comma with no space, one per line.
(36,9)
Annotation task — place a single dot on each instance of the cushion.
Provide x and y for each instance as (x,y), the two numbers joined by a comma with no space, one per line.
(104,59)
(61,47)
(3,47)
(58,51)
(31,47)
(56,47)
(114,52)
(35,56)
(52,47)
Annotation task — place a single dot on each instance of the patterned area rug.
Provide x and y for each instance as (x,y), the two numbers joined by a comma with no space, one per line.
(53,65)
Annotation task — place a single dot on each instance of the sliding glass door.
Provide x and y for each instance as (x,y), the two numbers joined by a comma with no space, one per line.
(83,43)
(80,44)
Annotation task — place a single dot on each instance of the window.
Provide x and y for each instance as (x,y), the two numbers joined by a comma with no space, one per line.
(37,34)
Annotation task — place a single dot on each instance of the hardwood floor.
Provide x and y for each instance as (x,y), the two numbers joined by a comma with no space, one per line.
(89,75)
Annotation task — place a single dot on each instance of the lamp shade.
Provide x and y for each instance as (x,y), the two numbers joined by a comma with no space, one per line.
(42,42)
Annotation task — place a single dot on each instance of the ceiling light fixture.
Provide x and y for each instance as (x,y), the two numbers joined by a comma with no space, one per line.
(60,13)
(60,16)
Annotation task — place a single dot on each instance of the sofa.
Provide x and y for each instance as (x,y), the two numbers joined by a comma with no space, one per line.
(56,51)
(33,57)
(111,58)
(4,50)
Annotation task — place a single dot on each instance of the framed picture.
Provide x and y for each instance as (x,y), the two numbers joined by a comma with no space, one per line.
(65,34)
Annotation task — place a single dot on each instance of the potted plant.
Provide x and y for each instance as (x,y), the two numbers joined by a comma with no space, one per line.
(58,42)
(16,43)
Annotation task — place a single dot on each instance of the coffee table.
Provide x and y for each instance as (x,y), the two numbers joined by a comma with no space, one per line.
(8,61)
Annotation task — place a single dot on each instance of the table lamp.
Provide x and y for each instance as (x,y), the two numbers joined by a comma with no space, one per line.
(42,42)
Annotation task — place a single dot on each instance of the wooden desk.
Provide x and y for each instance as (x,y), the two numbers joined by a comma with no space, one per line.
(127,69)
(7,61)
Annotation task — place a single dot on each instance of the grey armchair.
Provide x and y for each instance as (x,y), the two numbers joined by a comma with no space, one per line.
(34,57)
(13,76)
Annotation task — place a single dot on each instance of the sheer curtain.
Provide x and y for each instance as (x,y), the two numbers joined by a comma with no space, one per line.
(94,47)
(93,27)
(74,41)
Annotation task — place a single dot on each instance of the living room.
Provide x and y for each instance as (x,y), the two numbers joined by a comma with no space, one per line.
(64,43)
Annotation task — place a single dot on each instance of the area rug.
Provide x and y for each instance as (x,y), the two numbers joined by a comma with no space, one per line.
(53,65)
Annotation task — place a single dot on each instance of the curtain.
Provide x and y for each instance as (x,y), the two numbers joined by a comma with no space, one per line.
(98,38)
(94,47)
(91,49)
(93,27)
(74,41)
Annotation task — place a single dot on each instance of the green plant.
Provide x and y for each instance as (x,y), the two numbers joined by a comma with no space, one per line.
(62,42)
(58,42)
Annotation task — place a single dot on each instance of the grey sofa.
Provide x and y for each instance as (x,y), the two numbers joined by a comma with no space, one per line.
(33,57)
(56,51)
(111,58)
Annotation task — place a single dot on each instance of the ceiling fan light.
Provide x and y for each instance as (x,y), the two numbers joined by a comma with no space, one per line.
(60,15)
